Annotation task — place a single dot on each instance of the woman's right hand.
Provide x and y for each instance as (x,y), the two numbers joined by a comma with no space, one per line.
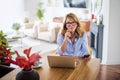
(67,35)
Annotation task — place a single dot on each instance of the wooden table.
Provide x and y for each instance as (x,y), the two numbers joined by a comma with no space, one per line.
(84,71)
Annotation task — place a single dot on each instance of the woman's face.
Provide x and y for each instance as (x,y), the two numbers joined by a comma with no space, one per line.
(71,25)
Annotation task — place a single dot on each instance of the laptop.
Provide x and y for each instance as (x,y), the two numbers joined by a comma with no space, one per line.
(61,61)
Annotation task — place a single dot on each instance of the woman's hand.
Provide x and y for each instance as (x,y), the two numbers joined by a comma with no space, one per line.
(67,34)
(87,57)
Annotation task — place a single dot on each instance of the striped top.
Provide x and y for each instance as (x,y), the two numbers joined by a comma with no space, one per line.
(79,48)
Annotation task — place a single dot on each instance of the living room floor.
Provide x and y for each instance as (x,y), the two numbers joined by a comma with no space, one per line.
(37,45)
(109,72)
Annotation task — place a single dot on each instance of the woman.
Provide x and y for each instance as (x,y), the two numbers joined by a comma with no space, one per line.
(72,41)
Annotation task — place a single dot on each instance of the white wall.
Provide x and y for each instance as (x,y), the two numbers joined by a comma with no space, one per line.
(30,8)
(61,12)
(10,11)
(111,44)
(114,31)
(53,9)
(105,12)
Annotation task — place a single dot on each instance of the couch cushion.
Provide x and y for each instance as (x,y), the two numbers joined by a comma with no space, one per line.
(42,27)
(45,36)
(28,25)
(31,32)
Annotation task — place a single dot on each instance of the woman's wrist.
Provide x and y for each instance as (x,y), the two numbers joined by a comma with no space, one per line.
(65,39)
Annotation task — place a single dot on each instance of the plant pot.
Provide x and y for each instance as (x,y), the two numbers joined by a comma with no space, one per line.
(3,62)
(28,75)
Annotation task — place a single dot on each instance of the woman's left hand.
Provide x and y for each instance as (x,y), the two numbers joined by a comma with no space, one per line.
(87,58)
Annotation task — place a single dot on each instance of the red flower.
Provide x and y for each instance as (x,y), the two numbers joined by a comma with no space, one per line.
(34,58)
(27,51)
(25,62)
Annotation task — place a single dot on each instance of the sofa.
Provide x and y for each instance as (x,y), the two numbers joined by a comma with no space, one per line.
(30,30)
(46,31)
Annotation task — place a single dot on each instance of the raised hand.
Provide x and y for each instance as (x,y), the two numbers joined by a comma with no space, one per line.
(68,34)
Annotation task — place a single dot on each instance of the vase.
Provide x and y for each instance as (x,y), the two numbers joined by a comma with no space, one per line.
(28,75)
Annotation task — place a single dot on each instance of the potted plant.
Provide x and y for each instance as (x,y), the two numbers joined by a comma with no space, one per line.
(26,20)
(40,11)
(26,63)
(16,26)
(40,14)
(4,48)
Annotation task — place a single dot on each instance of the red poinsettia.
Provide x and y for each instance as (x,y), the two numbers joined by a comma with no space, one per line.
(24,62)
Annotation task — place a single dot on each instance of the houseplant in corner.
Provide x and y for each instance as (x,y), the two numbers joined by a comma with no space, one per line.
(26,63)
(4,48)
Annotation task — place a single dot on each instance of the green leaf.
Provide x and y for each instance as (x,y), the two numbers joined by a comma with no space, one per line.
(40,14)
(16,26)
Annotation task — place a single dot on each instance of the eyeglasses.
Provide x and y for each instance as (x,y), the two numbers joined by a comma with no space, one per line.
(68,24)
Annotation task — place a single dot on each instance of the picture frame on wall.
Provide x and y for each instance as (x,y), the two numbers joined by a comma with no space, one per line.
(75,3)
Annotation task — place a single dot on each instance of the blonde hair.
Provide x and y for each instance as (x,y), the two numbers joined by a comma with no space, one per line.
(78,31)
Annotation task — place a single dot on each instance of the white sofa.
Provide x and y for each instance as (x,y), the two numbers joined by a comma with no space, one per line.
(43,31)
(30,30)
(48,31)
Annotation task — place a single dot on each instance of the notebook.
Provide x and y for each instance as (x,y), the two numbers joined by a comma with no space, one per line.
(61,61)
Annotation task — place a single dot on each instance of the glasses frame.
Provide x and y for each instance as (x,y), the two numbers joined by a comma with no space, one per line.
(68,24)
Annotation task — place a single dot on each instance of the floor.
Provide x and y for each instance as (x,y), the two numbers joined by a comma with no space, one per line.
(109,72)
(37,45)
